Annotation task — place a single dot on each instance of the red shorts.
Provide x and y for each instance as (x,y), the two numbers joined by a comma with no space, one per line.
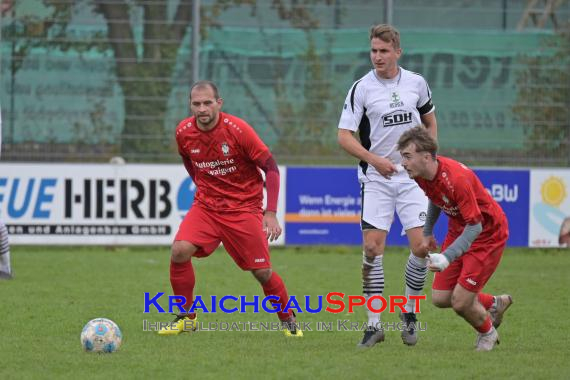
(474,268)
(240,232)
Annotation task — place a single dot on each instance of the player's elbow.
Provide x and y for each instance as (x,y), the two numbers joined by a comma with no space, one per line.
(473,230)
(479,228)
(343,136)
(430,123)
(339,138)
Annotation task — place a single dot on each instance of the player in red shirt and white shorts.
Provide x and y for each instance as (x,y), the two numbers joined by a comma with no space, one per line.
(476,237)
(224,155)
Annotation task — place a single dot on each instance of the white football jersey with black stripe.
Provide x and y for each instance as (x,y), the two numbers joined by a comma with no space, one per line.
(381,111)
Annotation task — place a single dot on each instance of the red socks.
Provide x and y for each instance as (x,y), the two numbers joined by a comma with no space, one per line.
(486,326)
(486,300)
(275,287)
(182,280)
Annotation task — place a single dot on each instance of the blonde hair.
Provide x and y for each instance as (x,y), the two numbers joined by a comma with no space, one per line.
(386,33)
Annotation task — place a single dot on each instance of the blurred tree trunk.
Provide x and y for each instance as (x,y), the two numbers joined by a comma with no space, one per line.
(144,66)
(145,77)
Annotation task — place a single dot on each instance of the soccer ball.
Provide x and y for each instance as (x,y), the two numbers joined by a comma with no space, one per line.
(101,335)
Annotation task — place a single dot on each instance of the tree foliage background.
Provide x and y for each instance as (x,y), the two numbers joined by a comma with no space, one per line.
(543,102)
(145,66)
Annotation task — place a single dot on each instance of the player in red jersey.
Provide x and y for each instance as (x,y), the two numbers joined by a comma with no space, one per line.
(224,155)
(476,237)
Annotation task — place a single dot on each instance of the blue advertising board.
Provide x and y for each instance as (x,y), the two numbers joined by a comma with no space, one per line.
(323,206)
(511,188)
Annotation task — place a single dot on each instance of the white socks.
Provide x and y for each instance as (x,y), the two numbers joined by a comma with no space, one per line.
(415,275)
(4,250)
(372,284)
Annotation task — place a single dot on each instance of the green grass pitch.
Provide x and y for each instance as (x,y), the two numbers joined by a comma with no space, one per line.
(56,290)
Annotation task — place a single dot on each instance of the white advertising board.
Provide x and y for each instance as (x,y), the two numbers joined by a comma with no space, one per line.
(93,204)
(549,209)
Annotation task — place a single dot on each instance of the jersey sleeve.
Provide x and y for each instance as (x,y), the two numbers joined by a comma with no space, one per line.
(425,104)
(178,138)
(252,145)
(353,108)
(189,166)
(185,159)
(467,201)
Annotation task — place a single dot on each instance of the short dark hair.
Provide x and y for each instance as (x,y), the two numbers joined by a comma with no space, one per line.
(203,84)
(420,137)
(386,33)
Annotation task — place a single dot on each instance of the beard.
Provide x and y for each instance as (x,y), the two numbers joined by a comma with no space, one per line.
(204,119)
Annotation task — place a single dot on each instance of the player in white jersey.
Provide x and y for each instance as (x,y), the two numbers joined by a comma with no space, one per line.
(381,106)
(5,267)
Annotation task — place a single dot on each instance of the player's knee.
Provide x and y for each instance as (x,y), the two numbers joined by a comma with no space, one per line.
(372,249)
(460,305)
(418,249)
(441,302)
(182,251)
(262,275)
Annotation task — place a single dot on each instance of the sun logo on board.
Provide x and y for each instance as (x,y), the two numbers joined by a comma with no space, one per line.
(553,191)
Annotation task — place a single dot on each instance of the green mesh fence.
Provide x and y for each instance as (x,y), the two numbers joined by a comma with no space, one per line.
(289,84)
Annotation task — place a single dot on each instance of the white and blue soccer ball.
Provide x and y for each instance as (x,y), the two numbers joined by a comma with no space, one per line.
(101,335)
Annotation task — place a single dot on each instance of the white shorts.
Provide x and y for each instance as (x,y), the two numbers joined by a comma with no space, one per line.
(381,199)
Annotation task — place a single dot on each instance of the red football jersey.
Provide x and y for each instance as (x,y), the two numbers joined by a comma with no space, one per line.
(461,195)
(224,163)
